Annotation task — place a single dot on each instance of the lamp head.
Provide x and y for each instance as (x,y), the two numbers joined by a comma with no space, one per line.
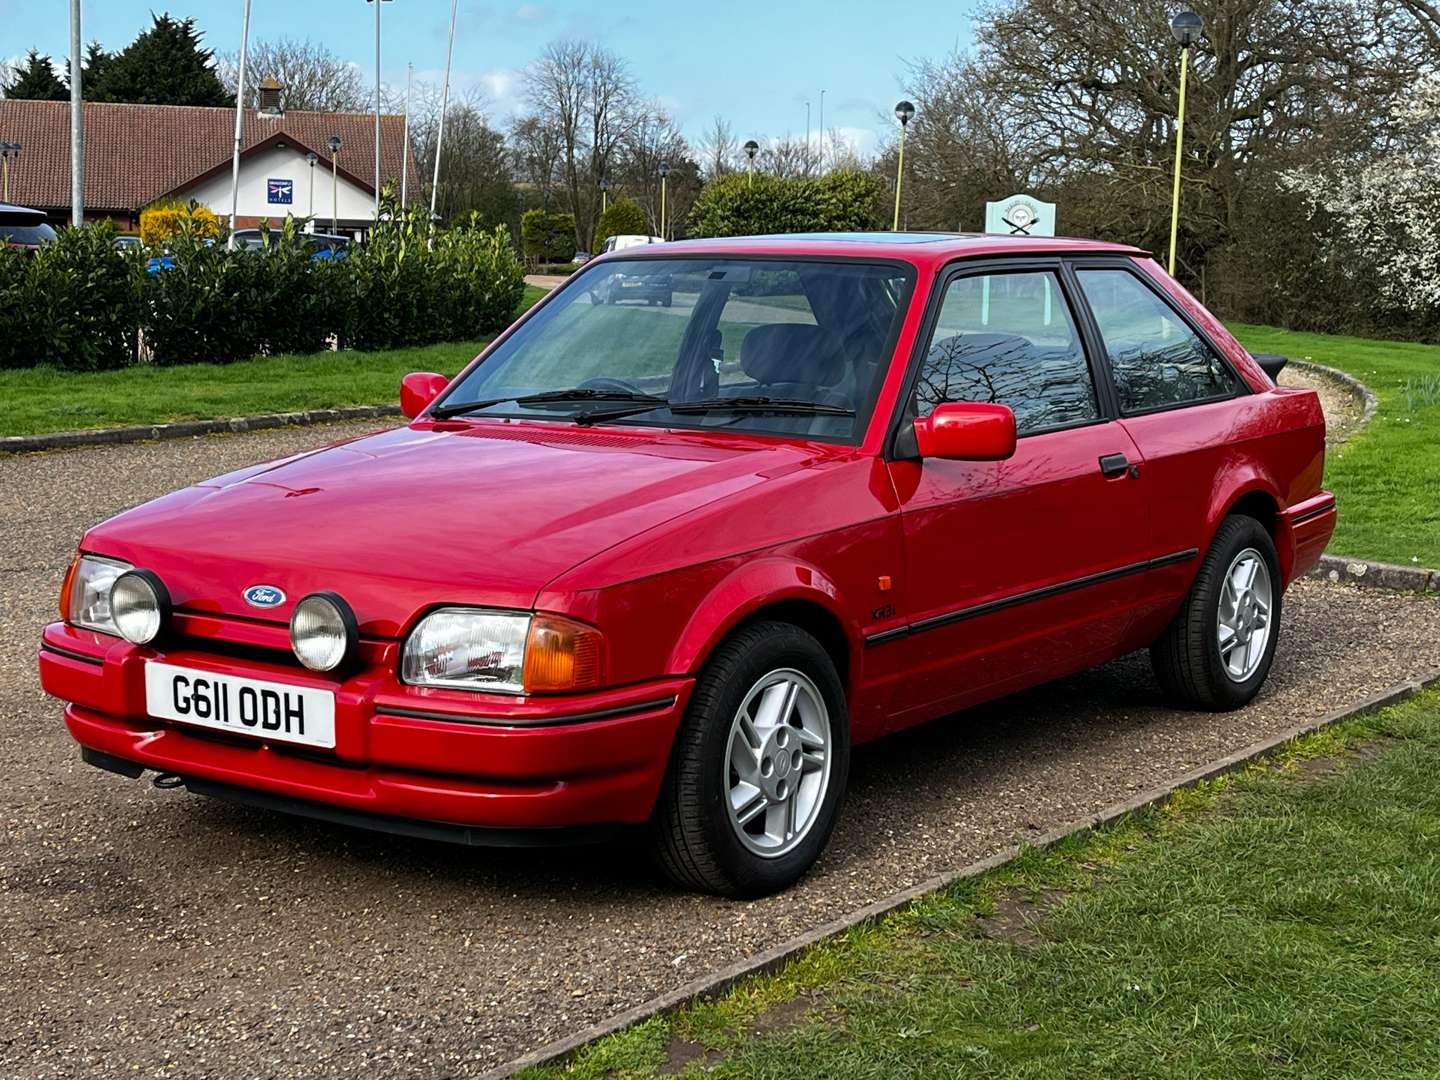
(664,169)
(903,112)
(751,149)
(1187,28)
(334,143)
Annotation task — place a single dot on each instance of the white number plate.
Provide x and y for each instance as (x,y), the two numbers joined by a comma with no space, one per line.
(270,710)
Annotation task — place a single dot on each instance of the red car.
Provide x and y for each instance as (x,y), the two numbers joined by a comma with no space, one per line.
(662,566)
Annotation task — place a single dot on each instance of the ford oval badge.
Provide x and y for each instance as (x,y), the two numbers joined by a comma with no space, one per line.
(266,596)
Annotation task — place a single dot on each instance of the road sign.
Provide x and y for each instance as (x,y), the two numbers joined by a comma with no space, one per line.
(1020,215)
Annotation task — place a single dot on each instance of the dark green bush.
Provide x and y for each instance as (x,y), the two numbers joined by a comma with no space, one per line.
(623,217)
(840,201)
(547,237)
(81,301)
(18,343)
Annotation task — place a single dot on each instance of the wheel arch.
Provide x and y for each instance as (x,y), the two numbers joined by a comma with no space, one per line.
(780,589)
(1260,501)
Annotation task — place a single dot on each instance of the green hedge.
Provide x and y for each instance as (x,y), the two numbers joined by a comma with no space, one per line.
(81,305)
(738,205)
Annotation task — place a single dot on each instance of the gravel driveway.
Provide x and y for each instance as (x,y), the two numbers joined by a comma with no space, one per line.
(155,933)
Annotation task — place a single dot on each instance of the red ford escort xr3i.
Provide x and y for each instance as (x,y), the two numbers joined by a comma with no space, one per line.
(661,565)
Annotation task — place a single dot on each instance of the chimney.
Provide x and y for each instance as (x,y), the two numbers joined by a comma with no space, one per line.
(270,97)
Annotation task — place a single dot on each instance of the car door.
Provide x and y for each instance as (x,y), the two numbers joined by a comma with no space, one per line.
(1024,569)
(1179,401)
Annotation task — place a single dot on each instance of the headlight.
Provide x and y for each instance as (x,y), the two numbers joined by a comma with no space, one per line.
(86,598)
(323,631)
(139,606)
(502,652)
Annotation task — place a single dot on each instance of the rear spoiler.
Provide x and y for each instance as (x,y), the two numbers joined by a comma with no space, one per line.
(1271,363)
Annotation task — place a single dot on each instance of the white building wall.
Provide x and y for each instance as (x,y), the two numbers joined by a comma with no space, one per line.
(352,204)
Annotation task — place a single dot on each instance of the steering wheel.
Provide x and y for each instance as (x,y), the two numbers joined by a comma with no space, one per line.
(603,383)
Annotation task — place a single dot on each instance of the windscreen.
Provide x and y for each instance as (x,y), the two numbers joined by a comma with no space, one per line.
(765,345)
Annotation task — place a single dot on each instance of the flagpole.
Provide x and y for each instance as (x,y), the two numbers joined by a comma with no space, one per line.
(239,125)
(405,148)
(444,104)
(77,125)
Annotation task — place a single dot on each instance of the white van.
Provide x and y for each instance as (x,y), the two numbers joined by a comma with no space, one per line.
(623,241)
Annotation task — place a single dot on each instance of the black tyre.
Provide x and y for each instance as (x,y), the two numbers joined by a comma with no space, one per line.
(759,766)
(1217,651)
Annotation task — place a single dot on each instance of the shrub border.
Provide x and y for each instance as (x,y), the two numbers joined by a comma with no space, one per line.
(773,959)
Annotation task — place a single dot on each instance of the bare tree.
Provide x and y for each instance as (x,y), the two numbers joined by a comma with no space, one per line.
(719,148)
(586,95)
(788,156)
(1091,86)
(475,174)
(535,156)
(652,139)
(314,78)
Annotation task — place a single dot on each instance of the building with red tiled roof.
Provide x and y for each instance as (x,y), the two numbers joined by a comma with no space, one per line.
(138,154)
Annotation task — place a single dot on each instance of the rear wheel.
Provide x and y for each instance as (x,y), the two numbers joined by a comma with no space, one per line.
(759,766)
(1219,648)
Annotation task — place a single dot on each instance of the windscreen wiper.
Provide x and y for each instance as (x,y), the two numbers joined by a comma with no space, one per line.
(754,404)
(577,393)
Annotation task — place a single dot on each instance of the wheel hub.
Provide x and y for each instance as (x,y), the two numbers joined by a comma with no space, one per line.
(777,769)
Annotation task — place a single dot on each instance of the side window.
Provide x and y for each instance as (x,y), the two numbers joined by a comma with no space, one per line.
(1158,361)
(1009,338)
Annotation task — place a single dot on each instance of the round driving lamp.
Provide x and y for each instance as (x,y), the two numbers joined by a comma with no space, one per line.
(323,632)
(139,606)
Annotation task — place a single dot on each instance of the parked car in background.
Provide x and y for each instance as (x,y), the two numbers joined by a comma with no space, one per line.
(322,245)
(663,568)
(580,258)
(129,242)
(24,228)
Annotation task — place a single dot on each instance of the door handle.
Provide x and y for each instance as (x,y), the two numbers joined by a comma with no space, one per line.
(1114,465)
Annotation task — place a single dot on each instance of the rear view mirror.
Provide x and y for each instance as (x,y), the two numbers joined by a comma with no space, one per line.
(419,389)
(967,431)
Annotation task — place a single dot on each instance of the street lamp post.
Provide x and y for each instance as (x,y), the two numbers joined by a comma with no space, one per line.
(664,201)
(334,143)
(1186,28)
(8,150)
(239,125)
(903,112)
(604,195)
(310,159)
(751,149)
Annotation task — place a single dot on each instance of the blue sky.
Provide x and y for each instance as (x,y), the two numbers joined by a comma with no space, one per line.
(754,62)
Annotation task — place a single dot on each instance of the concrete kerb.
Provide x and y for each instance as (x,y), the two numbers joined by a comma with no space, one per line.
(775,958)
(184,429)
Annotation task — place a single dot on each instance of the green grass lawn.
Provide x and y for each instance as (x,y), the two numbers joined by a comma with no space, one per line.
(1387,477)
(1281,921)
(43,399)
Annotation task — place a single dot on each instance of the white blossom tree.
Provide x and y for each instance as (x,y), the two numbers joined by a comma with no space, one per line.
(1384,208)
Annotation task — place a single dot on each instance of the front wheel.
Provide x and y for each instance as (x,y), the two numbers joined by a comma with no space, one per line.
(1217,651)
(759,766)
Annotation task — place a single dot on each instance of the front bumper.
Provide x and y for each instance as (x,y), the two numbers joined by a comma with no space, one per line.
(476,761)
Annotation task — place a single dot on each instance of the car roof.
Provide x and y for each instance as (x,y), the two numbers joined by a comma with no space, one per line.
(919,247)
(20,215)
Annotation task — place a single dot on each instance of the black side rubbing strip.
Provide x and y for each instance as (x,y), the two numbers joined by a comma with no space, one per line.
(1329,506)
(549,721)
(96,660)
(1060,587)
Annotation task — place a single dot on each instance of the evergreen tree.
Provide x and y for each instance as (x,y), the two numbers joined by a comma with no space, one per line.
(36,81)
(92,69)
(164,65)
